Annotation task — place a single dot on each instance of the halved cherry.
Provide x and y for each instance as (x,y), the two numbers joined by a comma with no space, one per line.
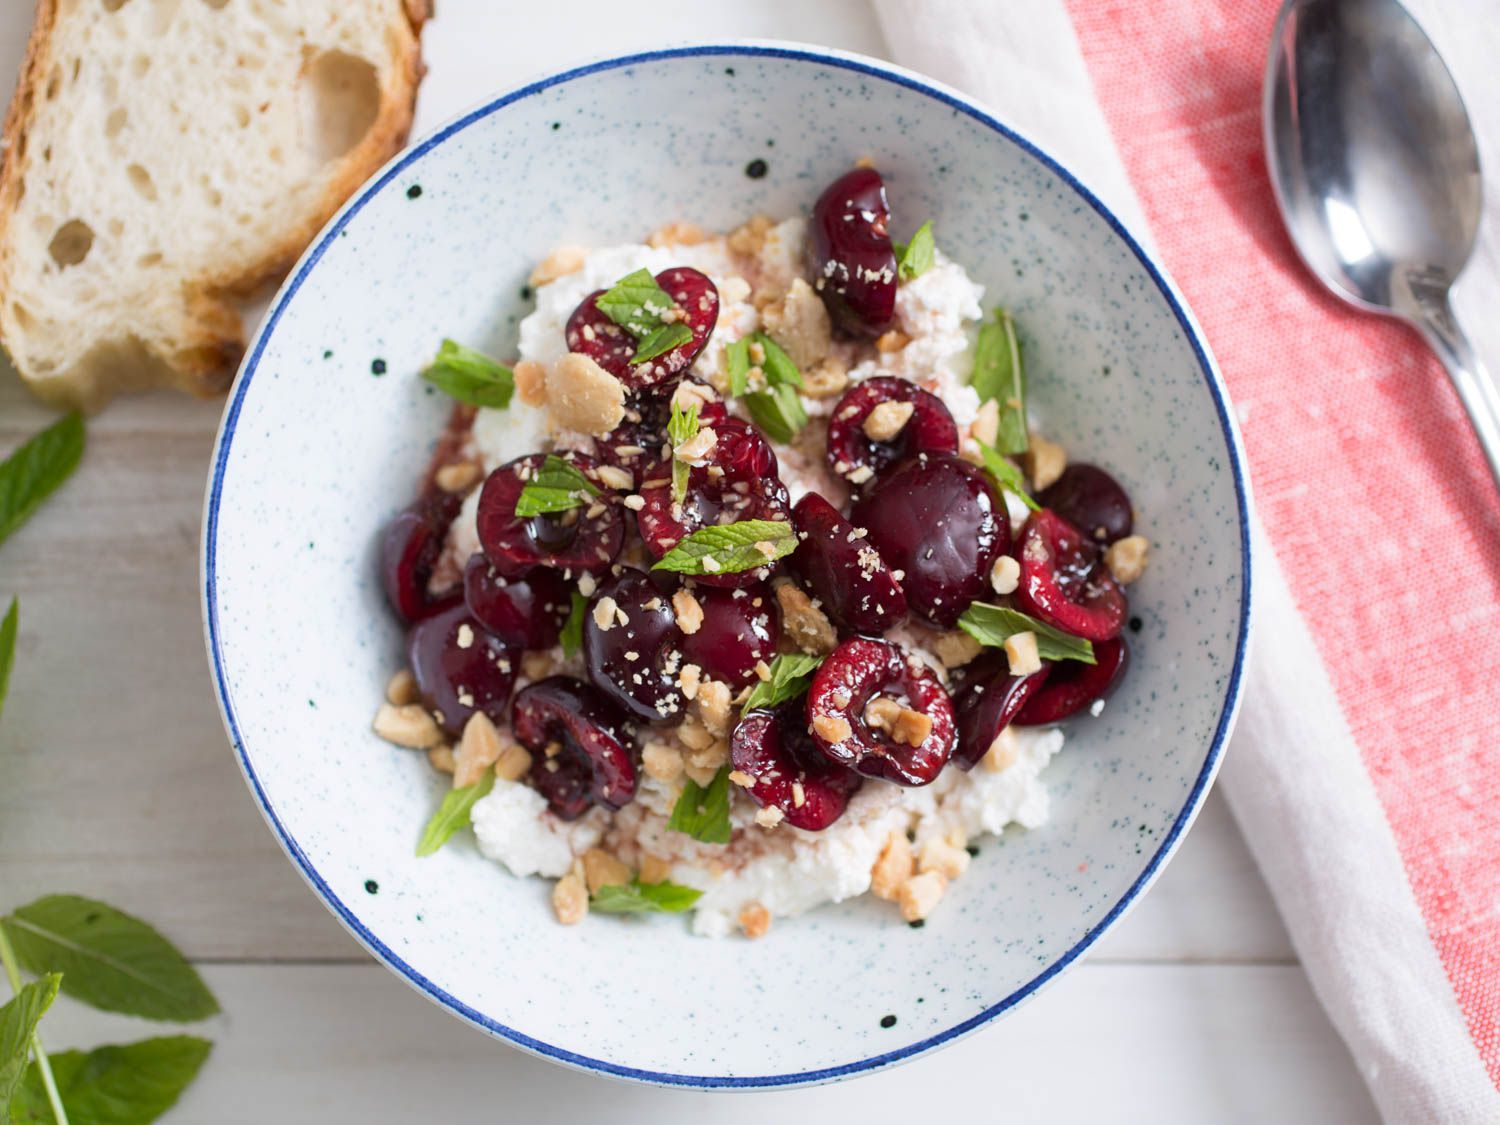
(857,457)
(582,753)
(840,567)
(1073,685)
(776,750)
(1091,500)
(460,668)
(988,702)
(632,646)
(522,612)
(739,631)
(641,438)
(860,671)
(584,539)
(1064,580)
(695,302)
(410,547)
(854,264)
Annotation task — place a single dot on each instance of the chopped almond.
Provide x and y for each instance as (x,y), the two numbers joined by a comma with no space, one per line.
(697,447)
(514,763)
(409,725)
(570,900)
(440,757)
(1003,752)
(1005,575)
(611,476)
(536,664)
(805,623)
(893,869)
(561,262)
(892,341)
(887,420)
(911,728)
(688,610)
(714,703)
(755,921)
(401,689)
(604,613)
(1126,558)
(457,477)
(986,424)
(769,817)
(654,869)
(662,761)
(826,379)
(531,382)
(478,750)
(799,323)
(689,680)
(1044,462)
(831,728)
(1021,652)
(751,236)
(956,649)
(677,233)
(600,869)
(941,856)
(584,397)
(921,894)
(882,712)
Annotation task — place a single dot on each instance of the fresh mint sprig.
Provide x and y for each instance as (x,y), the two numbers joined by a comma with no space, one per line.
(571,637)
(454,813)
(636,303)
(556,487)
(791,672)
(702,812)
(644,898)
(730,548)
(777,409)
(916,257)
(471,376)
(682,427)
(1006,475)
(998,375)
(993,625)
(660,341)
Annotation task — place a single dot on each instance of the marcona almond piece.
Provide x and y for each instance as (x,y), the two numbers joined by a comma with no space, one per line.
(694,735)
(826,380)
(941,856)
(401,688)
(531,382)
(584,397)
(478,750)
(956,649)
(1003,752)
(882,712)
(440,757)
(911,728)
(408,725)
(689,680)
(920,896)
(457,477)
(769,817)
(748,238)
(755,920)
(689,394)
(831,728)
(604,613)
(688,610)
(893,869)
(701,776)
(1021,652)
(1044,462)
(805,623)
(892,341)
(697,447)
(1005,575)
(676,233)
(887,420)
(610,476)
(561,262)
(600,869)
(514,763)
(799,323)
(1126,558)
(654,869)
(713,703)
(662,761)
(570,900)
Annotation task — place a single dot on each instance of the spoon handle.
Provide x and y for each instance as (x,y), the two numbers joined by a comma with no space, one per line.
(1474,384)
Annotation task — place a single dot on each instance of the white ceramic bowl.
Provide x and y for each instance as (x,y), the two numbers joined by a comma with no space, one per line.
(317,451)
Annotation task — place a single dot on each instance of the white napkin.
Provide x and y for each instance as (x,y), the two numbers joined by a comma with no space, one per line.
(1293,775)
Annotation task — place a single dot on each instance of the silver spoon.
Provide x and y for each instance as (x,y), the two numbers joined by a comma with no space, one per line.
(1376,171)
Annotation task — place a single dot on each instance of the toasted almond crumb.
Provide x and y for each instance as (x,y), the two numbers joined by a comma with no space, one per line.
(701,776)
(755,921)
(711,757)
(561,262)
(478,750)
(401,688)
(570,900)
(514,763)
(612,476)
(920,896)
(1021,652)
(748,238)
(805,623)
(1005,575)
(689,680)
(831,728)
(826,379)
(741,778)
(654,869)
(600,869)
(635,503)
(888,419)
(762,671)
(769,817)
(697,447)
(460,476)
(866,161)
(986,424)
(531,382)
(688,610)
(893,869)
(604,613)
(799,795)
(662,761)
(892,341)
(582,396)
(1126,558)
(465,637)
(689,393)
(408,725)
(911,728)
(939,855)
(859,475)
(536,664)
(709,564)
(956,649)
(766,547)
(1044,462)
(799,323)
(440,757)
(1003,752)
(882,712)
(693,734)
(713,705)
(677,233)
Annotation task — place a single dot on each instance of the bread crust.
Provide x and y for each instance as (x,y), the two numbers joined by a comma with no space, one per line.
(204,355)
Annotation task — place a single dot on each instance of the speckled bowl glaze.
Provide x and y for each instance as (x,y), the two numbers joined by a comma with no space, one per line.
(328,428)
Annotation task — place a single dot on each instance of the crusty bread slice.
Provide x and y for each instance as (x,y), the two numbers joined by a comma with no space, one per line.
(165,156)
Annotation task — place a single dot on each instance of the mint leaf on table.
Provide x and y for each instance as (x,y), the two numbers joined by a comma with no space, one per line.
(703,812)
(791,672)
(556,487)
(471,376)
(662,340)
(916,257)
(8,627)
(35,470)
(18,1020)
(453,814)
(731,547)
(571,637)
(636,303)
(998,375)
(109,959)
(1006,475)
(125,1084)
(644,898)
(993,625)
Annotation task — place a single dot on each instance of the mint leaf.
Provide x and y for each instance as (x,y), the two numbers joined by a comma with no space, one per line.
(993,625)
(737,360)
(471,376)
(915,258)
(556,487)
(729,548)
(662,340)
(645,898)
(1006,475)
(779,412)
(571,637)
(128,1084)
(791,672)
(110,960)
(35,470)
(778,366)
(681,427)
(998,375)
(453,814)
(635,303)
(8,648)
(703,813)
(18,1020)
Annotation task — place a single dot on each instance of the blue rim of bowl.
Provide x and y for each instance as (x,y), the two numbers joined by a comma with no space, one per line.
(885,73)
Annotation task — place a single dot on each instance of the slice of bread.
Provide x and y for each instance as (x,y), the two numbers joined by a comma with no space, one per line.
(163,157)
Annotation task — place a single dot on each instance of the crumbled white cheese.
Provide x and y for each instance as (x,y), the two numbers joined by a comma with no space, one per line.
(513,826)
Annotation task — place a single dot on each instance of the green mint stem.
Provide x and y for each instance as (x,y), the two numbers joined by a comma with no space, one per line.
(44,1068)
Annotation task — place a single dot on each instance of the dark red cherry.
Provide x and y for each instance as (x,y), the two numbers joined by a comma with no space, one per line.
(640,439)
(738,481)
(855,673)
(1073,685)
(580,540)
(1091,500)
(522,612)
(740,629)
(1064,580)
(460,668)
(842,569)
(695,303)
(410,547)
(854,265)
(635,656)
(592,758)
(776,750)
(856,457)
(988,702)
(937,521)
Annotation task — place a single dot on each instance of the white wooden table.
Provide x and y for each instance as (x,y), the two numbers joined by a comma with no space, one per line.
(116,781)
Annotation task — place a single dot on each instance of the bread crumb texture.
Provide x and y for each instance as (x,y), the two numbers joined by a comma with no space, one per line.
(164,158)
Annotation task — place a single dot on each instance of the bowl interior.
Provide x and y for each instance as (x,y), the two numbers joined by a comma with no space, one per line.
(320,447)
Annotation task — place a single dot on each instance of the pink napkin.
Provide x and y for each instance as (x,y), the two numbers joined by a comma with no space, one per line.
(1365,771)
